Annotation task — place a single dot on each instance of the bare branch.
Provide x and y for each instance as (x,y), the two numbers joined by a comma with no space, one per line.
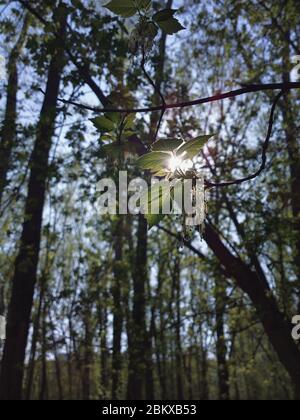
(264,152)
(82,68)
(220,97)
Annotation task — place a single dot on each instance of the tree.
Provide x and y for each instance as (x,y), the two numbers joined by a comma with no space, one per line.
(8,131)
(27,259)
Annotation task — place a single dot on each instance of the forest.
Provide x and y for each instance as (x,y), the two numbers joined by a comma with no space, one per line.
(102,303)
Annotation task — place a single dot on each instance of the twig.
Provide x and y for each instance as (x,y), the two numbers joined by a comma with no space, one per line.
(82,68)
(220,97)
(264,152)
(156,90)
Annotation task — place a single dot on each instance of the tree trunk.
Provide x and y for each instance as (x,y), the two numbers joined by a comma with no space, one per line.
(8,132)
(117,309)
(291,136)
(26,264)
(136,379)
(43,395)
(223,373)
(34,341)
(87,354)
(138,336)
(104,352)
(276,327)
(177,321)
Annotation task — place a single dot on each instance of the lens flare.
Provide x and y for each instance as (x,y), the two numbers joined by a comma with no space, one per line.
(177,163)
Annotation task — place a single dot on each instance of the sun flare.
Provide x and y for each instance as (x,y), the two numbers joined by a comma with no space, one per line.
(177,163)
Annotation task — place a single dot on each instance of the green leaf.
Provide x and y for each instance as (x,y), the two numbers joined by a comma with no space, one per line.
(127,8)
(170,26)
(167,22)
(161,173)
(129,122)
(154,161)
(166,145)
(103,124)
(193,147)
(153,202)
(143,4)
(115,150)
(107,137)
(111,150)
(124,8)
(164,14)
(115,117)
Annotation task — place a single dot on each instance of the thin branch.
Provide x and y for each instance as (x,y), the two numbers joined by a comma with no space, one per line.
(264,152)
(220,97)
(82,68)
(148,77)
(179,238)
(156,90)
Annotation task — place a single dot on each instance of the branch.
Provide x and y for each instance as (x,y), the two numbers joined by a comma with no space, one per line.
(82,69)
(185,242)
(156,90)
(220,97)
(264,152)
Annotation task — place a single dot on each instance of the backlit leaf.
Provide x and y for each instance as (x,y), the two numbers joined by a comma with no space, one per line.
(193,147)
(154,201)
(166,145)
(154,161)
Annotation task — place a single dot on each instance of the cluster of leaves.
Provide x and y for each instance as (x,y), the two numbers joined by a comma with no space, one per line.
(116,130)
(147,28)
(164,150)
(159,160)
(162,195)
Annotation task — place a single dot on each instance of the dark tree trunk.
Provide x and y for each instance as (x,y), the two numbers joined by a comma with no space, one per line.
(203,373)
(43,395)
(58,367)
(8,132)
(104,352)
(177,320)
(223,373)
(87,355)
(276,327)
(138,336)
(117,309)
(24,279)
(34,341)
(292,144)
(150,392)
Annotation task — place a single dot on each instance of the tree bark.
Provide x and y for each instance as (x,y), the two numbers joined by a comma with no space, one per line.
(8,132)
(276,327)
(34,341)
(177,321)
(117,309)
(223,372)
(104,352)
(291,133)
(138,336)
(87,353)
(24,278)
